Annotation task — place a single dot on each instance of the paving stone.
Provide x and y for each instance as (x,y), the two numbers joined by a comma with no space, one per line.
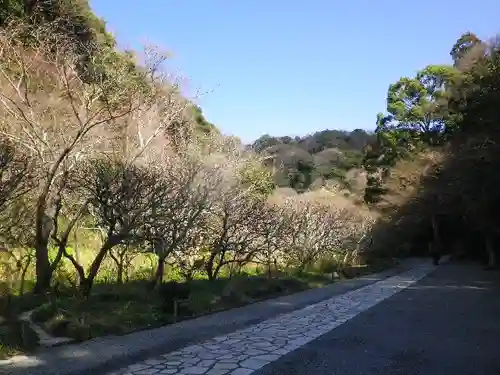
(195,370)
(281,352)
(241,357)
(232,341)
(206,363)
(171,357)
(173,363)
(207,355)
(188,362)
(242,371)
(266,357)
(212,346)
(221,351)
(254,363)
(225,366)
(262,344)
(137,367)
(154,362)
(252,352)
(280,342)
(149,371)
(227,356)
(218,372)
(228,360)
(238,348)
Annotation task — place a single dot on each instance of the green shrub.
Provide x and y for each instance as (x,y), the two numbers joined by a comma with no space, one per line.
(202,301)
(44,312)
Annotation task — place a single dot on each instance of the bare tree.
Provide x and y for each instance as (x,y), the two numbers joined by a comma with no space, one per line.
(123,257)
(229,233)
(61,119)
(190,260)
(321,228)
(185,201)
(311,230)
(275,229)
(230,229)
(120,198)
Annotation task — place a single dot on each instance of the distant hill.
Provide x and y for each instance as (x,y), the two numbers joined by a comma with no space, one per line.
(303,162)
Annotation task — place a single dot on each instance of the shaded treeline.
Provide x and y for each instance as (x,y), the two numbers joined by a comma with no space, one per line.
(434,170)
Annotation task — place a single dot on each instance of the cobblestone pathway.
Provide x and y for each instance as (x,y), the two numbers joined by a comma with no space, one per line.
(245,351)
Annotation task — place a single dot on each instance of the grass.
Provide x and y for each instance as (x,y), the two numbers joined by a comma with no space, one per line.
(123,308)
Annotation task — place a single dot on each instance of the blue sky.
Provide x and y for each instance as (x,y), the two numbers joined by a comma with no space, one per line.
(294,67)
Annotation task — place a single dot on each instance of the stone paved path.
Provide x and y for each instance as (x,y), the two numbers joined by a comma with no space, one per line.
(245,351)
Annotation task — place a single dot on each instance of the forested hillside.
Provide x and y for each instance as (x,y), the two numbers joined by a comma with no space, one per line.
(302,163)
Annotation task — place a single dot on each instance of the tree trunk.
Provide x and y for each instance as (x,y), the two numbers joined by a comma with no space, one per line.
(216,271)
(119,271)
(77,248)
(85,287)
(160,270)
(209,267)
(78,267)
(119,262)
(42,268)
(43,228)
(88,282)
